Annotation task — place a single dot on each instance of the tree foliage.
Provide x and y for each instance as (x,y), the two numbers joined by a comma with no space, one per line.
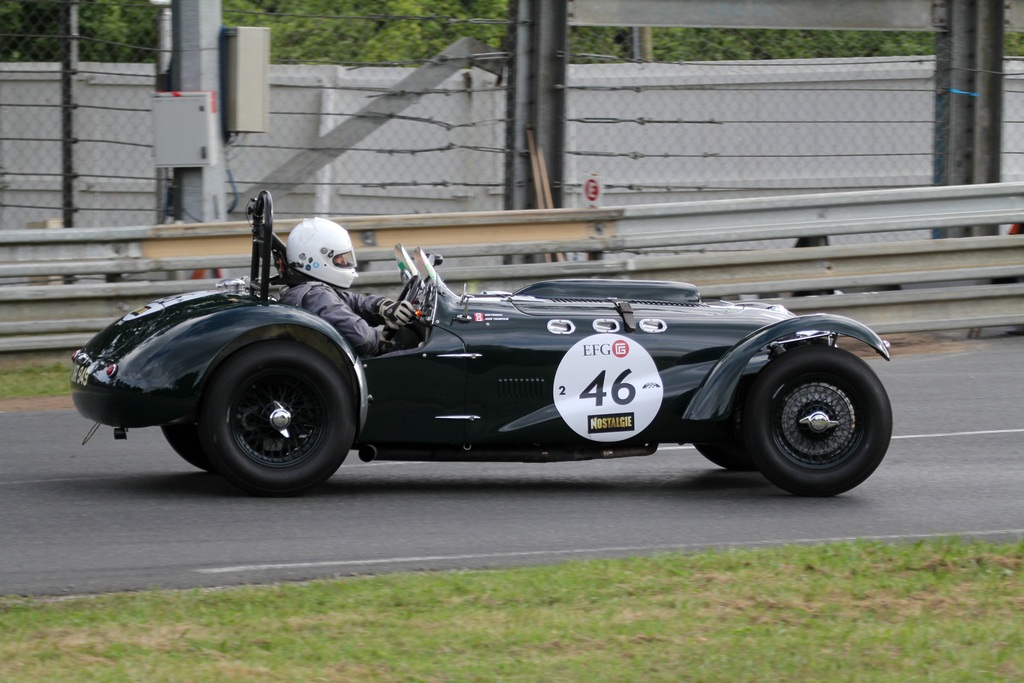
(109,31)
(714,44)
(345,31)
(389,31)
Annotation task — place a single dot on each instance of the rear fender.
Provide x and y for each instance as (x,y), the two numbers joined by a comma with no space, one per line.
(184,357)
(315,333)
(715,397)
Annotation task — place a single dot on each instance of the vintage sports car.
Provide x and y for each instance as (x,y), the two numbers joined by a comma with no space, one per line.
(272,398)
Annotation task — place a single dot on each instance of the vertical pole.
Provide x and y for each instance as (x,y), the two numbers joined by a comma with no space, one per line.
(165,46)
(165,41)
(943,82)
(537,80)
(988,108)
(68,69)
(956,92)
(324,190)
(198,192)
(514,190)
(516,162)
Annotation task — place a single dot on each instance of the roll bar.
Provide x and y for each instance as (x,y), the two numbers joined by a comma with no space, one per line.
(265,243)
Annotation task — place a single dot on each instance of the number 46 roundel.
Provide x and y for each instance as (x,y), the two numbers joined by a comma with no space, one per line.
(607,388)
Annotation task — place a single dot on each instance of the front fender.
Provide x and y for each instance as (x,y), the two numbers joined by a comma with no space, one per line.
(715,395)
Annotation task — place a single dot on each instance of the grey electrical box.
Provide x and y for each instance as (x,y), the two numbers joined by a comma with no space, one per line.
(247,81)
(184,126)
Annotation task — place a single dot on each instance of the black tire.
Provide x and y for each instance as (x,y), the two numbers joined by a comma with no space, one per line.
(847,421)
(730,456)
(236,430)
(184,439)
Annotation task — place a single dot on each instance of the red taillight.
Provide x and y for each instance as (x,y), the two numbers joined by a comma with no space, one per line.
(111,369)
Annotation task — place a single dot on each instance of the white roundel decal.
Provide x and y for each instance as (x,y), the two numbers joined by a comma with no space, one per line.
(607,388)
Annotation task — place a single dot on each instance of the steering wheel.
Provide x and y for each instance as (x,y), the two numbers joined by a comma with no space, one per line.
(418,290)
(410,289)
(421,296)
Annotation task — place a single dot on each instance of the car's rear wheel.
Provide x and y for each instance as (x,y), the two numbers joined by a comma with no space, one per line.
(277,419)
(184,439)
(817,421)
(730,456)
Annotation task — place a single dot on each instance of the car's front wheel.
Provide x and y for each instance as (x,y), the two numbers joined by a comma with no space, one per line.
(817,421)
(277,418)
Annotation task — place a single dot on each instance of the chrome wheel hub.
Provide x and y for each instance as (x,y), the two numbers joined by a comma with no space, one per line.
(818,422)
(280,419)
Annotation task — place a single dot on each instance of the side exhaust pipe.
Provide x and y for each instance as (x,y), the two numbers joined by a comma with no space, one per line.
(368,453)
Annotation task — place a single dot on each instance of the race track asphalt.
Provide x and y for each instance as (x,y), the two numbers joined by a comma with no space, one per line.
(126,515)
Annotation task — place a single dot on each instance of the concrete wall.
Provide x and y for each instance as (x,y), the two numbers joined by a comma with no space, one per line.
(653,133)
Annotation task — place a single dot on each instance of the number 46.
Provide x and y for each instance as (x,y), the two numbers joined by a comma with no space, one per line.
(622,392)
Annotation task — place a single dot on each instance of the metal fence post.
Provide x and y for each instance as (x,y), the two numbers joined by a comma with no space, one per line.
(988,110)
(198,192)
(68,69)
(538,66)
(969,99)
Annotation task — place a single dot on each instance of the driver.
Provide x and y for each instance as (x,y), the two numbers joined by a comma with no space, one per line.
(322,267)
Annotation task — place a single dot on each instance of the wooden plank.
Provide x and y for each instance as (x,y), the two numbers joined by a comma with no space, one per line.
(386,237)
(541,186)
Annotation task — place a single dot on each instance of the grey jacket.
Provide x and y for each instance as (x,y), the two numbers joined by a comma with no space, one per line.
(353,315)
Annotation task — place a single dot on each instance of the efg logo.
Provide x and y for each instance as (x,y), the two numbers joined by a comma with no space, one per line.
(618,348)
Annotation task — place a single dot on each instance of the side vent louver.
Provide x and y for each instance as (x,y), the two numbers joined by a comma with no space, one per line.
(521,388)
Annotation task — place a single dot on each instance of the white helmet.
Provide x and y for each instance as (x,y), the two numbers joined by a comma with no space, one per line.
(322,249)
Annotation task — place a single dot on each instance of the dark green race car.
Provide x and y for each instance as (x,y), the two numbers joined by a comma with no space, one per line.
(272,397)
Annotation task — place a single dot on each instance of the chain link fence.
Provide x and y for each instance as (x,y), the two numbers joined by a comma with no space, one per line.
(690,114)
(77,78)
(657,115)
(1012,156)
(75,125)
(681,114)
(444,152)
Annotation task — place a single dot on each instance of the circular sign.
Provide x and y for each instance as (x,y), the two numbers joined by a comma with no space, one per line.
(592,190)
(607,388)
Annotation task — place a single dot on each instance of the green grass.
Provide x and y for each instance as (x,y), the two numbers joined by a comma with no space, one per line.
(30,380)
(931,611)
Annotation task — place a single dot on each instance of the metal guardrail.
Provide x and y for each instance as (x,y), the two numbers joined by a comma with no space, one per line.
(914,285)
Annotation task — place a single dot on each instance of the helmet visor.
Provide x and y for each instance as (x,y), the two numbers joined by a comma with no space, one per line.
(344,259)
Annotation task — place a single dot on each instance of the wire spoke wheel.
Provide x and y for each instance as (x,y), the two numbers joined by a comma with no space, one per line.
(254,431)
(277,418)
(815,424)
(817,421)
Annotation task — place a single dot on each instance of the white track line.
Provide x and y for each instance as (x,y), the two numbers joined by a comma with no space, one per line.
(980,433)
(906,436)
(1010,533)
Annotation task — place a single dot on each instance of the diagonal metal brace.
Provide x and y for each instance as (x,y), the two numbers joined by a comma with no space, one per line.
(463,53)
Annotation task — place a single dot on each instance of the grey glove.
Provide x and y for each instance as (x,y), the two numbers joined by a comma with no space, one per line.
(396,314)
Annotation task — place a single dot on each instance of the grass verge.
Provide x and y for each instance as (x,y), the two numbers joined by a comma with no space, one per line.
(941,610)
(34,379)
